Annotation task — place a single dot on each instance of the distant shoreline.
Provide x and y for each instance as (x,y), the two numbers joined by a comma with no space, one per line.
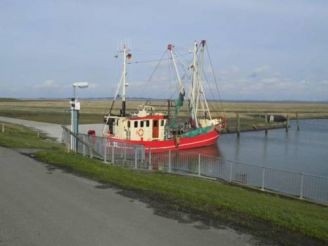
(159,99)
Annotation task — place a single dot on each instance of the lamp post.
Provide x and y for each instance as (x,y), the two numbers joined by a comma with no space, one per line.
(75,109)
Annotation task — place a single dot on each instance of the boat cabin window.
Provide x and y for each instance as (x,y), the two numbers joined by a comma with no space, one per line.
(155,124)
(136,124)
(141,124)
(117,122)
(162,122)
(147,123)
(129,124)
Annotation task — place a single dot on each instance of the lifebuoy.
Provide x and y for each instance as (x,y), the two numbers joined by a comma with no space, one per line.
(222,122)
(140,132)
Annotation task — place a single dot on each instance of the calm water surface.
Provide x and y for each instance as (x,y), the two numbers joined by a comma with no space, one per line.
(301,151)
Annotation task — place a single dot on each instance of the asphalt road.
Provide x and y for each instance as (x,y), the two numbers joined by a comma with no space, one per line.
(40,205)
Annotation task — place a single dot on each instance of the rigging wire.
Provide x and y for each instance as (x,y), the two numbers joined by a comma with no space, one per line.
(170,72)
(156,60)
(153,72)
(207,88)
(148,61)
(215,80)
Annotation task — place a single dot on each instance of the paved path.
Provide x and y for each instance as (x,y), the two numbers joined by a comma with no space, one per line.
(43,206)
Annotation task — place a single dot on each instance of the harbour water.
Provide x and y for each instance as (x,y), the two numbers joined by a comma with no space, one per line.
(298,151)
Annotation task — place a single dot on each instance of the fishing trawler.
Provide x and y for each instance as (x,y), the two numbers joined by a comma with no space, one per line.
(159,131)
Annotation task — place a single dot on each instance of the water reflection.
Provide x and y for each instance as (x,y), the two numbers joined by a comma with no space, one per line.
(237,148)
(265,149)
(212,150)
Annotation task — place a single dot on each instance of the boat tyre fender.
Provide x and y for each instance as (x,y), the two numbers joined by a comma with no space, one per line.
(177,141)
(222,122)
(140,132)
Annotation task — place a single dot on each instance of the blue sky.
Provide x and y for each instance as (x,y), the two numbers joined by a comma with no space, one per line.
(261,50)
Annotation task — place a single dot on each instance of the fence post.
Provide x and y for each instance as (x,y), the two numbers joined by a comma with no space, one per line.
(68,147)
(302,186)
(170,164)
(124,154)
(84,146)
(149,159)
(90,148)
(113,153)
(199,165)
(135,158)
(68,141)
(263,175)
(230,175)
(3,128)
(105,149)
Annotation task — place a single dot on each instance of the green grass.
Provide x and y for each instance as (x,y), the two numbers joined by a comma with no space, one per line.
(52,117)
(16,136)
(219,201)
(215,199)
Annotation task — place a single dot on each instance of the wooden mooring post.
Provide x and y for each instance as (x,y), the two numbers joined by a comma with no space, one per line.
(287,123)
(238,124)
(297,122)
(266,118)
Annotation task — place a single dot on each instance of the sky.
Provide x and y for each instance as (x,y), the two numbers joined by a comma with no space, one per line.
(260,49)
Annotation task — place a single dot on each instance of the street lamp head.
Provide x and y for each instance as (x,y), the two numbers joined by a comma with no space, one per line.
(81,84)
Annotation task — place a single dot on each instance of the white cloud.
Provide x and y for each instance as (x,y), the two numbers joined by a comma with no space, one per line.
(93,85)
(48,84)
(266,84)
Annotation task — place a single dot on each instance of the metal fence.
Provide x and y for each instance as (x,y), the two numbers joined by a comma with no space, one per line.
(303,186)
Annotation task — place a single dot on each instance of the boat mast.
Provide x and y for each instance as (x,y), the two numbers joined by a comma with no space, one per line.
(204,103)
(124,82)
(198,97)
(181,86)
(194,85)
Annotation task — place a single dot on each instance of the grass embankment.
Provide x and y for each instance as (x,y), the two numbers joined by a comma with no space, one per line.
(63,118)
(15,136)
(263,214)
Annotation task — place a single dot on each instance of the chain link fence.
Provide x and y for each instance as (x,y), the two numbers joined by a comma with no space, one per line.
(303,186)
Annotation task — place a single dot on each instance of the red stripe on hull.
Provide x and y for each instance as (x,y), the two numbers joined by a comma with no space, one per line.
(184,143)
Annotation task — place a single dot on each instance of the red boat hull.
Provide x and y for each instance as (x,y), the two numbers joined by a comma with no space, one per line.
(183,143)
